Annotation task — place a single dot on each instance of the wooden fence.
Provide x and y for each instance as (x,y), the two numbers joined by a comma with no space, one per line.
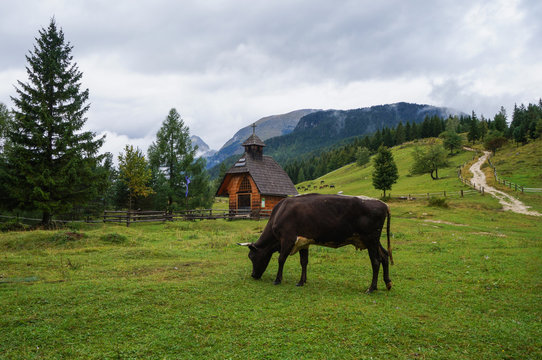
(129,217)
(428,195)
(509,184)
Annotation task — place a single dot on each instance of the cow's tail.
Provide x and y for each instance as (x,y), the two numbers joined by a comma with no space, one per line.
(388,233)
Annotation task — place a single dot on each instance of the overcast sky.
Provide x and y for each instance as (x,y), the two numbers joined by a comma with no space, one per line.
(225,64)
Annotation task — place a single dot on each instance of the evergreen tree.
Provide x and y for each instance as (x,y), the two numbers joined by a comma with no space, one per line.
(300,176)
(451,140)
(175,168)
(362,156)
(385,173)
(400,134)
(474,129)
(387,137)
(5,119)
(51,162)
(500,120)
(452,124)
(408,132)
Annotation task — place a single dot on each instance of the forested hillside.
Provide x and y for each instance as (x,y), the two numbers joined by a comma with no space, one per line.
(325,128)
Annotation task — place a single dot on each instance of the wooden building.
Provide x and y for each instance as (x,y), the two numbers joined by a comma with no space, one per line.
(255,182)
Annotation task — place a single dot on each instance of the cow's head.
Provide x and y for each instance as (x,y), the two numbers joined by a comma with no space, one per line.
(260,259)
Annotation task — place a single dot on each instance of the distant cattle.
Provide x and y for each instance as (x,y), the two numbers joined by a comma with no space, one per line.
(326,220)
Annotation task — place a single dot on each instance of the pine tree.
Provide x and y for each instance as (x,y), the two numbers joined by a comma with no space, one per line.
(400,134)
(451,140)
(362,156)
(500,120)
(175,168)
(474,129)
(51,161)
(385,173)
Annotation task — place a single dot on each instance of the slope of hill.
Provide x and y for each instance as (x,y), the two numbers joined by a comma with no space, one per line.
(324,128)
(521,165)
(267,127)
(355,180)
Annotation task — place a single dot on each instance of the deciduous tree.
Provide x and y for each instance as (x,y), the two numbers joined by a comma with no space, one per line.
(429,161)
(134,173)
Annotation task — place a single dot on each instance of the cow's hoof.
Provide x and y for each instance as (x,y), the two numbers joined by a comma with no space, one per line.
(370,290)
(300,284)
(388,285)
(277,282)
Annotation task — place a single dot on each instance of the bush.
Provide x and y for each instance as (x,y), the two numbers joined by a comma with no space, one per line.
(65,237)
(13,226)
(438,202)
(113,238)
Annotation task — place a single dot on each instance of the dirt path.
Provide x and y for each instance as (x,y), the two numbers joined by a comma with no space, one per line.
(508,202)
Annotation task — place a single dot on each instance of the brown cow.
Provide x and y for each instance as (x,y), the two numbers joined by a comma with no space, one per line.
(326,220)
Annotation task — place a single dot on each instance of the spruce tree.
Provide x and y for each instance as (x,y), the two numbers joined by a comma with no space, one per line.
(51,161)
(175,167)
(385,173)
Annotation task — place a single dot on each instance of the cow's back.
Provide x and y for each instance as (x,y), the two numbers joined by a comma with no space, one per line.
(327,218)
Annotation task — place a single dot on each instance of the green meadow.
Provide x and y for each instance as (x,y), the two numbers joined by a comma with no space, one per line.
(355,180)
(467,284)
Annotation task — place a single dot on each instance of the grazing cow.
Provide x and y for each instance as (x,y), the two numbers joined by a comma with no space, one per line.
(326,220)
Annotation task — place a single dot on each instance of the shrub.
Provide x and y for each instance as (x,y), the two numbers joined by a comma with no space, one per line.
(114,238)
(438,202)
(13,226)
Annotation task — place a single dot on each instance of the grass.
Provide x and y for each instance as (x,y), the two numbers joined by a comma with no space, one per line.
(467,285)
(520,164)
(355,180)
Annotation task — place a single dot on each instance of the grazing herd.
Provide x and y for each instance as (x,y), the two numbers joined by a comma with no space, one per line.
(310,187)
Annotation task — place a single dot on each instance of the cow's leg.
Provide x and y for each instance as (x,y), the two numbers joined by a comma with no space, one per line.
(285,249)
(386,267)
(375,263)
(304,260)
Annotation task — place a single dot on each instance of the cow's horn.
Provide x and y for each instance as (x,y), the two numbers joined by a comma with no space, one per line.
(244,244)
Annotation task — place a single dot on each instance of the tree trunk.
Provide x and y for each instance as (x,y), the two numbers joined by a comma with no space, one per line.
(46,219)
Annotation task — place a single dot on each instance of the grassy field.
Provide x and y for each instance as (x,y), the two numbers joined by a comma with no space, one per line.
(467,285)
(355,180)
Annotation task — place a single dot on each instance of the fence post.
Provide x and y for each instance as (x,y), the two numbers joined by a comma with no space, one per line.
(522,189)
(461,192)
(482,190)
(444,193)
(128,218)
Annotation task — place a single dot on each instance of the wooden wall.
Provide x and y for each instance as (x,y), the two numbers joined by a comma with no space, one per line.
(256,197)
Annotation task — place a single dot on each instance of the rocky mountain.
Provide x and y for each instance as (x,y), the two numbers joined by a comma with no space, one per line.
(203,148)
(267,127)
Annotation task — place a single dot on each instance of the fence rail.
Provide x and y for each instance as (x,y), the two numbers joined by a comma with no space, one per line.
(129,217)
(509,184)
(428,195)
